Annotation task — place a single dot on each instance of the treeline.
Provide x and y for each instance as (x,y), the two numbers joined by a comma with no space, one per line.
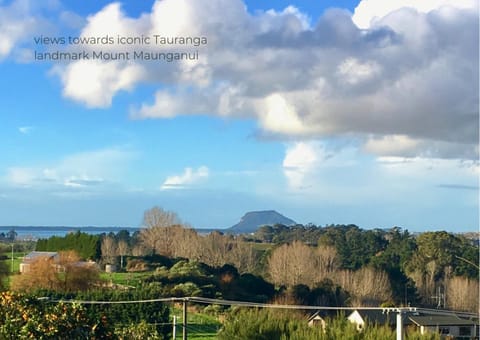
(348,264)
(87,246)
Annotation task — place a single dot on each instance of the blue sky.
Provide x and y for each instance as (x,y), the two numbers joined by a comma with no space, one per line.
(360,112)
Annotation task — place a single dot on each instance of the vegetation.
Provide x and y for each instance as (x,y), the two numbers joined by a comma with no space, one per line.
(26,317)
(258,324)
(153,315)
(85,245)
(335,265)
(65,273)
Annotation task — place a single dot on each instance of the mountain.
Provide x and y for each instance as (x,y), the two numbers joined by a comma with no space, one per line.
(252,220)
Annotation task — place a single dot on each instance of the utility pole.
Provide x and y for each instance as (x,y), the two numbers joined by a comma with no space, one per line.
(401,312)
(400,332)
(174,327)
(12,256)
(184,337)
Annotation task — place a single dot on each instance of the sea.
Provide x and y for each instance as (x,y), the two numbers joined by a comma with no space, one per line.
(37,232)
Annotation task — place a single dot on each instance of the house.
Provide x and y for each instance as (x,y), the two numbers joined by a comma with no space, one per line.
(51,255)
(34,255)
(317,319)
(447,325)
(320,317)
(362,317)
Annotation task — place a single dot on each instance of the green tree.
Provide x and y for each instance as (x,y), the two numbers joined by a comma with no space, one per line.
(86,245)
(393,260)
(4,271)
(26,317)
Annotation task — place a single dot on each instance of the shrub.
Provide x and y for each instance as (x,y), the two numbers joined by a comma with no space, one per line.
(26,317)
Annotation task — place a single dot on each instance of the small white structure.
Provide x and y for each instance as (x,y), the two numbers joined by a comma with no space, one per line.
(110,268)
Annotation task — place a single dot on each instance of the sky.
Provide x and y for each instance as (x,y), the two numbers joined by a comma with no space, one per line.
(329,112)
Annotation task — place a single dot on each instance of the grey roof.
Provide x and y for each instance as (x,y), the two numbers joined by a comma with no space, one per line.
(440,320)
(36,254)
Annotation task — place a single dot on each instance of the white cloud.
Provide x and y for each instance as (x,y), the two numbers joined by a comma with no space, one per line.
(370,11)
(189,177)
(300,160)
(25,129)
(277,115)
(94,83)
(424,172)
(16,24)
(412,74)
(20,176)
(405,146)
(89,169)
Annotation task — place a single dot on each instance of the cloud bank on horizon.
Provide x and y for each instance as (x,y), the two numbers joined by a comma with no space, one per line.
(395,80)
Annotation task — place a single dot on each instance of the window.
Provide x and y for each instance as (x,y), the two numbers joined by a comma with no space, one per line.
(465,331)
(444,330)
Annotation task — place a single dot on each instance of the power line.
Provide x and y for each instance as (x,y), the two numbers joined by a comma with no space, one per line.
(399,311)
(210,301)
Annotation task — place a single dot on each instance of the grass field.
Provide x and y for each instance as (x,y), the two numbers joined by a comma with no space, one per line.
(199,326)
(126,279)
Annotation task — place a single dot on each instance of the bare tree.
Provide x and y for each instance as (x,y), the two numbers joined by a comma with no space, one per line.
(66,273)
(463,294)
(157,217)
(327,262)
(243,256)
(186,242)
(40,273)
(109,249)
(77,275)
(214,249)
(122,250)
(292,264)
(367,286)
(157,234)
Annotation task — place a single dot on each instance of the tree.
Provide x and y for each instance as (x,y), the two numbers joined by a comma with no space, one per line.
(122,250)
(462,294)
(157,217)
(65,273)
(292,264)
(75,275)
(109,249)
(3,274)
(157,235)
(12,235)
(436,254)
(367,286)
(327,262)
(86,245)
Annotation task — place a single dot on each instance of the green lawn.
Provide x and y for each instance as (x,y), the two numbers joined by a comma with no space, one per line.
(17,259)
(128,279)
(199,326)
